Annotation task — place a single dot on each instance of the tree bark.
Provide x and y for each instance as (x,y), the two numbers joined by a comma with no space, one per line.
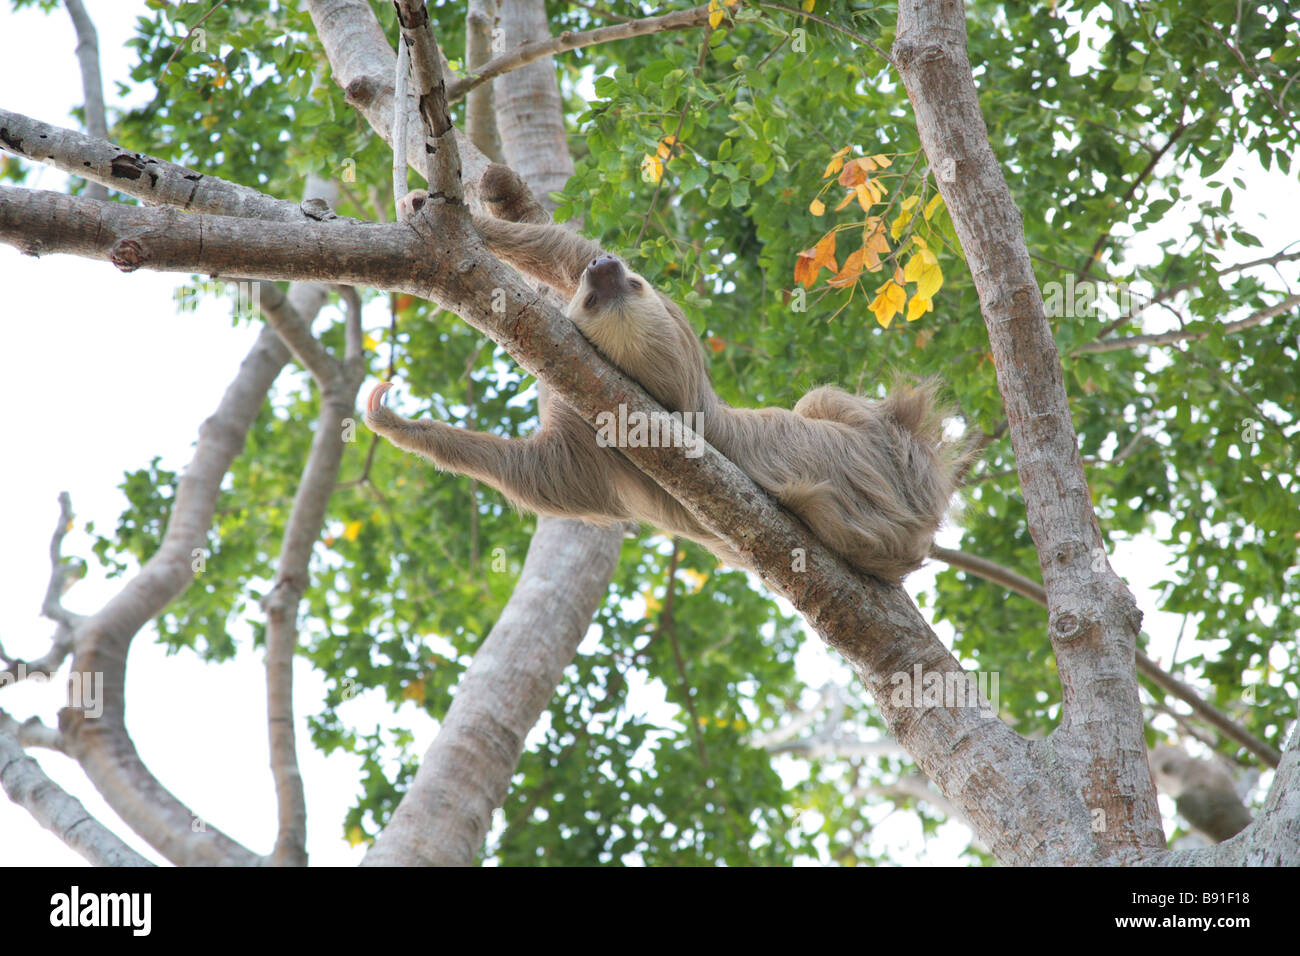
(465,775)
(57,810)
(480,111)
(530,112)
(92,84)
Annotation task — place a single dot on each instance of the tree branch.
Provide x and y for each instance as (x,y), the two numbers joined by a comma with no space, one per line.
(837,27)
(442,166)
(1182,335)
(566,41)
(991,571)
(33,733)
(155,181)
(58,811)
(1166,294)
(1272,839)
(361,61)
(480,118)
(165,240)
(1018,583)
(294,329)
(1206,711)
(337,383)
(91,82)
(62,576)
(530,110)
(401,122)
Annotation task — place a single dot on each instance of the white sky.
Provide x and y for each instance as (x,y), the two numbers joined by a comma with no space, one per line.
(106,354)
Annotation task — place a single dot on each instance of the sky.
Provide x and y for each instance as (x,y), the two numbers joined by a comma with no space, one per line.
(93,381)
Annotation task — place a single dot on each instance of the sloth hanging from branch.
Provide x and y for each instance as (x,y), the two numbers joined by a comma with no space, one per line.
(871,479)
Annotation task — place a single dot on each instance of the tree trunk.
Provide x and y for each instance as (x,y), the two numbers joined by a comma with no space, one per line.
(1093,620)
